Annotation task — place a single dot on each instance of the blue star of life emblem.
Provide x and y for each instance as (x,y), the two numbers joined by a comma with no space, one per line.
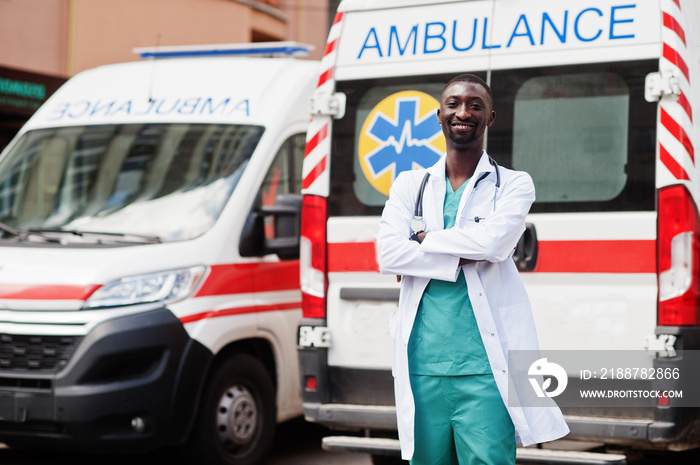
(404,142)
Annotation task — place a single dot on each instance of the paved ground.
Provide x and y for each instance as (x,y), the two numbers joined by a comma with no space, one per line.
(296,443)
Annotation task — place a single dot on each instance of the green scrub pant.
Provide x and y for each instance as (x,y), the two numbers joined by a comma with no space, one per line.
(461,420)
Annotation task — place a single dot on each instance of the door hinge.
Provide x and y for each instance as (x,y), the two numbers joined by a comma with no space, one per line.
(323,104)
(658,85)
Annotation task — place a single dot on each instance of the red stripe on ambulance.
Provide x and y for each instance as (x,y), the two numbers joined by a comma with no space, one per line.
(671,23)
(239,311)
(683,102)
(315,173)
(47,291)
(678,132)
(670,111)
(317,147)
(674,57)
(672,165)
(330,47)
(326,76)
(615,256)
(596,256)
(316,139)
(243,278)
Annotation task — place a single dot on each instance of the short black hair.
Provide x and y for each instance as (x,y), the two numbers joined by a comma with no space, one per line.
(472,78)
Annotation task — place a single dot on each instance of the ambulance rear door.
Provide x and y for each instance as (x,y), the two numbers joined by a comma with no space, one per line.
(568,81)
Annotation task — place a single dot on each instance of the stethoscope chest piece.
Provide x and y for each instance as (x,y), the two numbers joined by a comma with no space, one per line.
(417,224)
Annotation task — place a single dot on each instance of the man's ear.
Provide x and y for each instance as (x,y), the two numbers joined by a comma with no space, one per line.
(492,118)
(438,116)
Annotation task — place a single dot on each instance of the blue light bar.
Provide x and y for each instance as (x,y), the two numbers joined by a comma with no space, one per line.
(265,49)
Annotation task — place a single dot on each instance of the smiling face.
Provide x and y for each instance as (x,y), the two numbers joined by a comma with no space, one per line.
(465,112)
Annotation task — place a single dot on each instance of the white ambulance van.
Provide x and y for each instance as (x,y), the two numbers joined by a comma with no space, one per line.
(598,101)
(149,273)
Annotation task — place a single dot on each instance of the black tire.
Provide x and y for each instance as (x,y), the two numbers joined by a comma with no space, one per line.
(237,416)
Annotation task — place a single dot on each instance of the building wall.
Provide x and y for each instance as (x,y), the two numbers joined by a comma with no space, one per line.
(43,42)
(107,30)
(63,37)
(308,22)
(33,35)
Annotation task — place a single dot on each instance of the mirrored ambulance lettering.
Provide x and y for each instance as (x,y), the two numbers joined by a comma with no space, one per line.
(154,107)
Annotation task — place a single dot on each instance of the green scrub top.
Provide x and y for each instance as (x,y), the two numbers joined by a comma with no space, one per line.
(445,339)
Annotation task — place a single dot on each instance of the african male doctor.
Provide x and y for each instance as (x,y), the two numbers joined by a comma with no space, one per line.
(462,304)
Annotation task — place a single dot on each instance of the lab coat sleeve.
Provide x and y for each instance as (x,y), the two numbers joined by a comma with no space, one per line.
(396,253)
(494,238)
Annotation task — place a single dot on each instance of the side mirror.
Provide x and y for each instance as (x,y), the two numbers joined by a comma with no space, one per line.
(284,225)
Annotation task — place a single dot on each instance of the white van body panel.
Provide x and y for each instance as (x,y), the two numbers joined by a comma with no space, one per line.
(45,289)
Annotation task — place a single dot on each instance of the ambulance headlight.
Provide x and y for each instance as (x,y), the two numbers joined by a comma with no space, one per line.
(165,286)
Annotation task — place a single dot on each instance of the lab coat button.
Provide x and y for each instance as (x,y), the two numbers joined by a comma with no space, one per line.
(503,371)
(493,334)
(480,294)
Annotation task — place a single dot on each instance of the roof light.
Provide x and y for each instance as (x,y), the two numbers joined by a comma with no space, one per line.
(264,49)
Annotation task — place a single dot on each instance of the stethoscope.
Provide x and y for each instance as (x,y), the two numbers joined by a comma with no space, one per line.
(418,224)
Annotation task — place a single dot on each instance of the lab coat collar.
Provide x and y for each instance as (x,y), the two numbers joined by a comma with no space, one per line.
(484,166)
(437,171)
(435,194)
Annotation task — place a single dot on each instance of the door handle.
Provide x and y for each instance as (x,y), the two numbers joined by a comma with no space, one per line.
(525,255)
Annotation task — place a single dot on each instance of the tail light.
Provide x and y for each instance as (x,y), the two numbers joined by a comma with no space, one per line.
(312,256)
(678,257)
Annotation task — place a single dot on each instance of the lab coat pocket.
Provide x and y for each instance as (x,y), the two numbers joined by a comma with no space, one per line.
(519,326)
(477,214)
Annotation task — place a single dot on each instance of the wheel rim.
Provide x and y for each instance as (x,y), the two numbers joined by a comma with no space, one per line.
(237,418)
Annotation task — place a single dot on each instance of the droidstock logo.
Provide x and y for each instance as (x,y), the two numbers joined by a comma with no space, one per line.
(542,368)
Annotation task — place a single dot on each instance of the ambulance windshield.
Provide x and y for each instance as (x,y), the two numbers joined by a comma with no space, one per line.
(169,181)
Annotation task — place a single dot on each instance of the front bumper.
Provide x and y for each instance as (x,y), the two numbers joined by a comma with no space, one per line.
(132,380)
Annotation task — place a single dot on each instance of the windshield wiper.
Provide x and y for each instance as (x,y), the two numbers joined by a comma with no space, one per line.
(137,237)
(9,229)
(22,234)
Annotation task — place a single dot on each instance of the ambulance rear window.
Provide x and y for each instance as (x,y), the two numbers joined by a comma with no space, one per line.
(582,118)
(584,133)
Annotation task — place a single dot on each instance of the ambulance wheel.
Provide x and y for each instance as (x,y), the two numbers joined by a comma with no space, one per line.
(237,416)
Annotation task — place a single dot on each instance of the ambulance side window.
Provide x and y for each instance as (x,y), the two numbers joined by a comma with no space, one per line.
(283,176)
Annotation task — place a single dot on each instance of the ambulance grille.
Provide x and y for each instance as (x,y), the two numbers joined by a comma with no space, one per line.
(36,353)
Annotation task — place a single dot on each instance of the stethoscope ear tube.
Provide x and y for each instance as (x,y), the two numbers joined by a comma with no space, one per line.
(418,211)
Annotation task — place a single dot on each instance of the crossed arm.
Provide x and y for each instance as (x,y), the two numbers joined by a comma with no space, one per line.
(440,253)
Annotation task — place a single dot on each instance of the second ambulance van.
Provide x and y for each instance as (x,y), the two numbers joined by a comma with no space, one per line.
(598,101)
(149,273)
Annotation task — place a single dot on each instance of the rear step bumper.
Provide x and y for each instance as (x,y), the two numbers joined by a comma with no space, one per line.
(382,446)
(618,430)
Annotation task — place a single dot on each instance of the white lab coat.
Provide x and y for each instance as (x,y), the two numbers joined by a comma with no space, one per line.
(497,294)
